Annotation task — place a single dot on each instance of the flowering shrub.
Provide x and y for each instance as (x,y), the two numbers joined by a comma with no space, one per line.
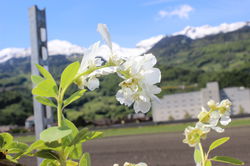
(219,113)
(62,144)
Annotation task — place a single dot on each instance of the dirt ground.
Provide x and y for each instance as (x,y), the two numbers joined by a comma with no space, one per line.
(165,149)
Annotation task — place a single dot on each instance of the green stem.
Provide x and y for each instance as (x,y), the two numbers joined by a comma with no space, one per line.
(59,113)
(202,155)
(62,159)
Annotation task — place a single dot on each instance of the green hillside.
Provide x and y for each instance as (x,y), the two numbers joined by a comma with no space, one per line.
(223,57)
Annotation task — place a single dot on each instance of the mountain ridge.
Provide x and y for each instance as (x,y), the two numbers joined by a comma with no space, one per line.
(62,47)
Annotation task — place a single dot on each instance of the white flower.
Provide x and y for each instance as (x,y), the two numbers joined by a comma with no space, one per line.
(212,104)
(138,85)
(141,164)
(193,135)
(209,120)
(89,61)
(224,110)
(103,30)
(116,165)
(113,58)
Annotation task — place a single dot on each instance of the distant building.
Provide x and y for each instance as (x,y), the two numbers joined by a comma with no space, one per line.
(30,122)
(188,105)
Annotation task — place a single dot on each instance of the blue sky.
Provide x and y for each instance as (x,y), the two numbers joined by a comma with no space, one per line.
(128,20)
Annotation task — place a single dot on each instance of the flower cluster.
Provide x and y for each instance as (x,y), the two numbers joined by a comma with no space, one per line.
(130,164)
(219,114)
(138,73)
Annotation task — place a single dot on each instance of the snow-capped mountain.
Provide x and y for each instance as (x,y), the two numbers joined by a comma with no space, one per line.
(206,30)
(60,47)
(55,47)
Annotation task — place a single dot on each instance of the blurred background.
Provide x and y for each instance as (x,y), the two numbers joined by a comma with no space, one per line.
(202,48)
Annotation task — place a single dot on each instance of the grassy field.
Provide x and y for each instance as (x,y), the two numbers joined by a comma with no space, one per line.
(148,129)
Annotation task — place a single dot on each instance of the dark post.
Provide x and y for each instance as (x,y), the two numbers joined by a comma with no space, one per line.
(39,55)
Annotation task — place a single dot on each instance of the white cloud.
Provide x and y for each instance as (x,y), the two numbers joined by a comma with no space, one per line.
(182,12)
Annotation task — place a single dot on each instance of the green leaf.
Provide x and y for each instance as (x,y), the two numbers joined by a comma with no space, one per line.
(54,133)
(17,147)
(74,97)
(68,139)
(68,124)
(1,142)
(218,142)
(85,160)
(68,74)
(82,134)
(7,139)
(94,135)
(48,162)
(47,76)
(71,163)
(54,144)
(44,72)
(47,154)
(229,160)
(208,163)
(76,151)
(36,79)
(39,144)
(45,88)
(45,101)
(197,156)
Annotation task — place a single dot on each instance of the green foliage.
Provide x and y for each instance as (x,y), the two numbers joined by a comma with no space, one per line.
(197,155)
(36,79)
(45,101)
(73,97)
(85,160)
(47,162)
(10,149)
(45,88)
(218,142)
(208,163)
(47,154)
(68,74)
(45,73)
(229,160)
(54,133)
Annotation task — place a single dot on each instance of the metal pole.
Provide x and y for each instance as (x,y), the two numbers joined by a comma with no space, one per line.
(39,55)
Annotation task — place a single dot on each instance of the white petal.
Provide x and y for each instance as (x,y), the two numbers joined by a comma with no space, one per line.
(155,89)
(140,106)
(98,61)
(218,129)
(149,61)
(123,98)
(89,55)
(225,120)
(103,30)
(141,164)
(215,115)
(93,83)
(103,71)
(152,76)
